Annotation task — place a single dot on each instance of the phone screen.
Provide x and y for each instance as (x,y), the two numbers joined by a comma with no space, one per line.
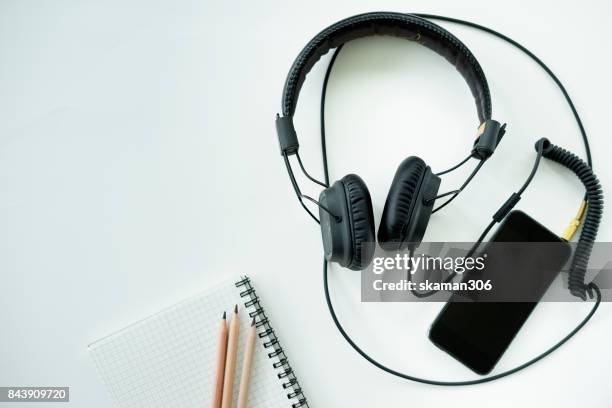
(478,333)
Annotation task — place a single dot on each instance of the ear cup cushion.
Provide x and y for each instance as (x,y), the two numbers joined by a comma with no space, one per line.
(361,220)
(400,203)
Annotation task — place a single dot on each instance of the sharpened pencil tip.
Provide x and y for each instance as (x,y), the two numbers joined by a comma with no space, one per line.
(224,315)
(253,322)
(236,309)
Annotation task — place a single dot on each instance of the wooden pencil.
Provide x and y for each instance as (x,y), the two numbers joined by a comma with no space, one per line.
(219,374)
(230,360)
(247,362)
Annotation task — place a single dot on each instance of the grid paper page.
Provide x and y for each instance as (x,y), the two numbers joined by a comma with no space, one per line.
(168,359)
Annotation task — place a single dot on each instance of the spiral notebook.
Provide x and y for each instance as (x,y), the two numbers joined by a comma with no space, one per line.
(168,360)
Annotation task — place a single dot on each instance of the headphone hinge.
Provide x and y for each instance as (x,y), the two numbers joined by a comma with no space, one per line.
(489,135)
(287,138)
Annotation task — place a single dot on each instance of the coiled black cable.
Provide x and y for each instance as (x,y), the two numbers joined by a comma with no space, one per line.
(594,198)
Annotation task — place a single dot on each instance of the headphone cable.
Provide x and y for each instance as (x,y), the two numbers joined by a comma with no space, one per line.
(500,214)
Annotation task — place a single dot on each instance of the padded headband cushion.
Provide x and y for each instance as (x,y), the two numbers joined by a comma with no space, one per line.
(361,220)
(399,207)
(396,24)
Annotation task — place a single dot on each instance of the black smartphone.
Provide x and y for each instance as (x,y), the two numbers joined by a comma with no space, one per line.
(478,333)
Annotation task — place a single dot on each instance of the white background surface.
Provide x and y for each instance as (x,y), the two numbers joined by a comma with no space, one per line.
(139,163)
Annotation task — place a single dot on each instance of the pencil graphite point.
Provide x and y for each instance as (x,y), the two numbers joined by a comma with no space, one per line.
(236,309)
(224,316)
(253,322)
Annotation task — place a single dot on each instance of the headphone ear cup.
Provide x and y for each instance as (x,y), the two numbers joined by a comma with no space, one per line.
(407,210)
(361,220)
(345,241)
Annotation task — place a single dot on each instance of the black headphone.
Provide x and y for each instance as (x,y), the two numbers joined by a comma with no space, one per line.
(345,208)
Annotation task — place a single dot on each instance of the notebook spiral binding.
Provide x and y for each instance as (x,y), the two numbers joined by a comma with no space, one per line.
(265,331)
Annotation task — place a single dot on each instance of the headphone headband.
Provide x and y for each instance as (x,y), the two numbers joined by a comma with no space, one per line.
(401,25)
